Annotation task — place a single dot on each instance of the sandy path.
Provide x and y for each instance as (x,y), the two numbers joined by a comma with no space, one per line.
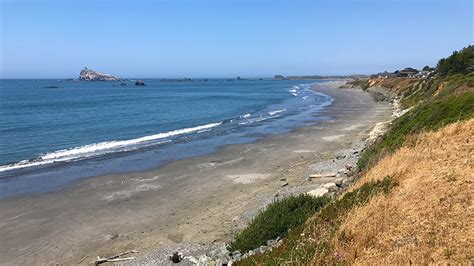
(199,200)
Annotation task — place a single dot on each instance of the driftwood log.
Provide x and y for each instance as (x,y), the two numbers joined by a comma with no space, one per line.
(115,258)
(323,175)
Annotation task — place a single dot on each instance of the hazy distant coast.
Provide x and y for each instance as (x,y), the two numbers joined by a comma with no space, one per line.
(320,77)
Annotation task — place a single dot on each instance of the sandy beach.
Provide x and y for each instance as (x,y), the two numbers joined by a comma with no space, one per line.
(186,205)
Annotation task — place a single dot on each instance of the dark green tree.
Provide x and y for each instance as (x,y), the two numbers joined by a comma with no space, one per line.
(460,62)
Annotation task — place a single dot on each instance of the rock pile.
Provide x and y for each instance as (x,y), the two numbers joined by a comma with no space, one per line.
(88,74)
(222,256)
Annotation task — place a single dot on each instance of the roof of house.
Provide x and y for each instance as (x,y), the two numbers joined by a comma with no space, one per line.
(409,70)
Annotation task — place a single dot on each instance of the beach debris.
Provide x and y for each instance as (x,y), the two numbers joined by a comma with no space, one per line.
(323,175)
(284,184)
(331,187)
(319,192)
(176,257)
(342,171)
(115,258)
(83,259)
(349,168)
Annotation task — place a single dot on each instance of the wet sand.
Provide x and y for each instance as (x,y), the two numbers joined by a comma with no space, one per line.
(185,204)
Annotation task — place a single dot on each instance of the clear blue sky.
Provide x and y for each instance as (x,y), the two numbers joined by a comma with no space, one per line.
(176,38)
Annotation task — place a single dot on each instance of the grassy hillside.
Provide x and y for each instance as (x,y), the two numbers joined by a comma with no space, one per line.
(415,206)
(430,115)
(412,202)
(436,102)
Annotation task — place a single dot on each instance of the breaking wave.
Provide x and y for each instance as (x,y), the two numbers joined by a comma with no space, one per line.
(102,148)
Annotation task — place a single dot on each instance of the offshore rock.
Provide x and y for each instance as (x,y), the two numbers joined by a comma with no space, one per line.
(139,83)
(88,74)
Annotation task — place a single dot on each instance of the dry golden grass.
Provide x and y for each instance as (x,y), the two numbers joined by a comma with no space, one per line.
(396,83)
(429,216)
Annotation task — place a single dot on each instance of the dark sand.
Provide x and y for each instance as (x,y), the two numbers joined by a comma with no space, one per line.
(188,202)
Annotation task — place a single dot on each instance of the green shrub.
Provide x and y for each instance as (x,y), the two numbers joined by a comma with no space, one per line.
(276,220)
(314,237)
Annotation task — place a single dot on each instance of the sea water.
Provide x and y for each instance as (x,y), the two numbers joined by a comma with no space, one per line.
(53,132)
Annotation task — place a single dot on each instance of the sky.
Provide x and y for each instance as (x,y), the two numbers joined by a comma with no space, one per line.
(211,38)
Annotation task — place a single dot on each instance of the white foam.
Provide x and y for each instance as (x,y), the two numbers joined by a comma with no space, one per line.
(246,116)
(259,119)
(276,112)
(104,148)
(19,165)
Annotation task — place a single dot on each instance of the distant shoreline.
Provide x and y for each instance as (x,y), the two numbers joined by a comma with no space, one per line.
(304,77)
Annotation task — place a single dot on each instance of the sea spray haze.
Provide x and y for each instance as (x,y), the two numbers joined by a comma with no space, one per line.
(46,124)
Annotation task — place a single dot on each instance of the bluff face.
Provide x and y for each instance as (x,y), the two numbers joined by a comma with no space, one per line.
(91,75)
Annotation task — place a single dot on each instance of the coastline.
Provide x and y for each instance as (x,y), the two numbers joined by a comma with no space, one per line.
(56,168)
(185,204)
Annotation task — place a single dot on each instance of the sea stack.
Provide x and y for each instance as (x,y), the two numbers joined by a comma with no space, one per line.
(88,74)
(139,83)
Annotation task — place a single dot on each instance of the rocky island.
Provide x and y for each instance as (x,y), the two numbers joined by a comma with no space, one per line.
(140,83)
(88,74)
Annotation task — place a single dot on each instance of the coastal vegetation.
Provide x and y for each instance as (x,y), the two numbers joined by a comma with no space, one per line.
(276,220)
(410,207)
(460,62)
(431,115)
(305,241)
(436,103)
(409,201)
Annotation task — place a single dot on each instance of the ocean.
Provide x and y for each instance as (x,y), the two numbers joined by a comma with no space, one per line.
(54,132)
